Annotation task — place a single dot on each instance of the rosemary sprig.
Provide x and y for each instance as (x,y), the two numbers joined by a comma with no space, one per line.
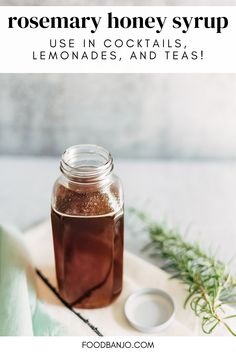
(210,285)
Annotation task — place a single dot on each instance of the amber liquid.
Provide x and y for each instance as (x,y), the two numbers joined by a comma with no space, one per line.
(89,257)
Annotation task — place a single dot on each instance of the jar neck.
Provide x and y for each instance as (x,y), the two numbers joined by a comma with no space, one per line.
(86,164)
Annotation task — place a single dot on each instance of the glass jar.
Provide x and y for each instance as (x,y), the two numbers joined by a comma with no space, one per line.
(87,223)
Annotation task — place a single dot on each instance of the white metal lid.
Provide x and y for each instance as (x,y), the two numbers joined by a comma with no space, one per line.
(150,310)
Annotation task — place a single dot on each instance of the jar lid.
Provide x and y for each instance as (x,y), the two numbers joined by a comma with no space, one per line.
(149,310)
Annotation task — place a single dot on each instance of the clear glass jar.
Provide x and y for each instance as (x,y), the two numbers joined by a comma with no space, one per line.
(87,222)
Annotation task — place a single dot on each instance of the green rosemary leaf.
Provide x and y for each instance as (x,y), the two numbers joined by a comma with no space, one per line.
(228,317)
(188,298)
(213,327)
(209,282)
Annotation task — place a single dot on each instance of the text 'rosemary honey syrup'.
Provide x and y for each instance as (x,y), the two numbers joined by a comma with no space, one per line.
(87,222)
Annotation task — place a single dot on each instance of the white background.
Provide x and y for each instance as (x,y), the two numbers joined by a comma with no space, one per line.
(178,345)
(17,44)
